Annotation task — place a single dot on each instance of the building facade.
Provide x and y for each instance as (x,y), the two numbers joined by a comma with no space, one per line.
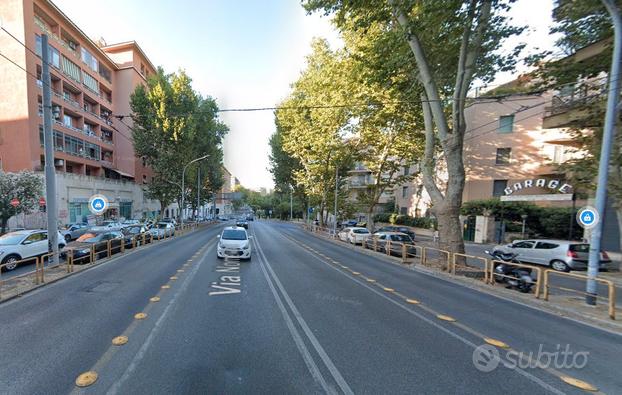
(91,85)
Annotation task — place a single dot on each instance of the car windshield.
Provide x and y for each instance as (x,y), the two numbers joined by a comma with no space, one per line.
(233,234)
(11,238)
(402,238)
(162,225)
(360,231)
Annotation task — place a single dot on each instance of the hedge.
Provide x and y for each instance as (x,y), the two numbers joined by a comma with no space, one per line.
(398,219)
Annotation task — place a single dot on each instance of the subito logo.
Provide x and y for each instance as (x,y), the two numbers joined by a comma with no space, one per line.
(486,358)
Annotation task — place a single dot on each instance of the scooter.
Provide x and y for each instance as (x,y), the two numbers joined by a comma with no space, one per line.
(516,277)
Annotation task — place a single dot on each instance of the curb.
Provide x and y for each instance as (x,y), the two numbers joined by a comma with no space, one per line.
(89,267)
(610,326)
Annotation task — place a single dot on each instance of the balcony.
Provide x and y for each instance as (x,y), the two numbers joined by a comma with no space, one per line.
(573,106)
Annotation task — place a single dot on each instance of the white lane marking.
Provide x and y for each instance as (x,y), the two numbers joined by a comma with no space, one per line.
(302,348)
(341,382)
(451,333)
(156,328)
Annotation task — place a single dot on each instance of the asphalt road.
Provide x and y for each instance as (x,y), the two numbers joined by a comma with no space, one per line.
(303,316)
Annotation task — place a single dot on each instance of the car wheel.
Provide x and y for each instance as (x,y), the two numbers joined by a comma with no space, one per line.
(67,238)
(560,266)
(10,262)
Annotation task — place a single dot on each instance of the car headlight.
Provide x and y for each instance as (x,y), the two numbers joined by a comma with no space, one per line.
(220,246)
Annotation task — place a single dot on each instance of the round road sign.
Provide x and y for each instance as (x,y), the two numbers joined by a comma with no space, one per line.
(98,204)
(588,217)
(14,202)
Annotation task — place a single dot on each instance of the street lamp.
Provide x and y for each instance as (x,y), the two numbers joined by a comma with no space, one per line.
(524,217)
(183,175)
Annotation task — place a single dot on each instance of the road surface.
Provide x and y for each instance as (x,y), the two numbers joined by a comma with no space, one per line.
(304,316)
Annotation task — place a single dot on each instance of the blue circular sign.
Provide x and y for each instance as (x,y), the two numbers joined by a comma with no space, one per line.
(588,217)
(98,204)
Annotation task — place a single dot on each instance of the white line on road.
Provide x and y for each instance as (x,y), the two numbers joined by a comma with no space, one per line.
(341,382)
(156,328)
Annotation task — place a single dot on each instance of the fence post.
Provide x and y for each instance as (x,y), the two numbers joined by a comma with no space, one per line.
(452,265)
(122,245)
(404,253)
(92,258)
(545,285)
(612,300)
(387,247)
(109,246)
(423,255)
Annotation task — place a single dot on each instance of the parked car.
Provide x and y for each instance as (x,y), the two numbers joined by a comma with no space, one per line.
(354,235)
(397,239)
(169,220)
(107,225)
(163,229)
(343,234)
(349,223)
(81,248)
(74,231)
(399,229)
(242,223)
(234,243)
(139,233)
(130,222)
(23,244)
(560,255)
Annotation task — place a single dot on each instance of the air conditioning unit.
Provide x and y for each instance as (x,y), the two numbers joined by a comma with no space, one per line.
(59,162)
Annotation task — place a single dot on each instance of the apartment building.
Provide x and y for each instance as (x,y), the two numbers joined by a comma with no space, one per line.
(359,180)
(91,84)
(225,194)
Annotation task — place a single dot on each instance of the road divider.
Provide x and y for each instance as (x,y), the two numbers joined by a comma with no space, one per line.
(465,265)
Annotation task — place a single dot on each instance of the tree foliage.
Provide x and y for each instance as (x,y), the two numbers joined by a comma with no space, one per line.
(173,124)
(442,46)
(25,186)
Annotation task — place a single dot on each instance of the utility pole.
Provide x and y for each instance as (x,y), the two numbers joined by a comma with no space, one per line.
(605,151)
(48,143)
(183,192)
(291,203)
(198,190)
(336,194)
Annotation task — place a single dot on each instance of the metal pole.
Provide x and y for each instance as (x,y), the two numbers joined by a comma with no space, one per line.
(605,151)
(291,203)
(336,195)
(181,220)
(198,190)
(48,143)
(523,232)
(572,217)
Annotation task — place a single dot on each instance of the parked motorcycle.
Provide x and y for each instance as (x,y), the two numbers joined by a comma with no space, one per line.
(514,276)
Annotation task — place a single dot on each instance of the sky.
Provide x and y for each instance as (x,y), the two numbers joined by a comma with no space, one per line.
(243,53)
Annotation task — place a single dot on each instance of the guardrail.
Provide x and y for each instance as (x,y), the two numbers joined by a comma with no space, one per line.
(610,287)
(15,285)
(476,268)
(457,264)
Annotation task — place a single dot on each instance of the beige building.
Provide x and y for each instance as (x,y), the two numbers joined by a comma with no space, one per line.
(359,179)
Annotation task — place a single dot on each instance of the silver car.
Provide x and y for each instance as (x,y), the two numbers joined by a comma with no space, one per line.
(560,255)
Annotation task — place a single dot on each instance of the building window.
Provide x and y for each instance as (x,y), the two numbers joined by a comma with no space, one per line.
(404,192)
(506,123)
(105,72)
(503,156)
(68,121)
(142,69)
(559,154)
(53,54)
(498,186)
(89,60)
(90,82)
(406,170)
(71,69)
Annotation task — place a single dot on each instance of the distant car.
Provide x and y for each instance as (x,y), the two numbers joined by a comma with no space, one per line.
(250,217)
(23,244)
(162,229)
(349,223)
(400,229)
(137,233)
(242,222)
(396,239)
(74,231)
(234,243)
(560,255)
(81,248)
(169,220)
(354,235)
(130,222)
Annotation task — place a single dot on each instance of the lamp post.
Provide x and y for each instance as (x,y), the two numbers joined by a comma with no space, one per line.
(183,175)
(524,217)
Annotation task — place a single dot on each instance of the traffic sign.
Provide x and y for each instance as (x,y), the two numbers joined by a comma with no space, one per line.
(588,217)
(98,204)
(41,201)
(14,202)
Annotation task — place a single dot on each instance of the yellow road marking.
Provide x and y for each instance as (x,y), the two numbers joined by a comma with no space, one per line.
(180,270)
(412,301)
(389,289)
(140,316)
(86,378)
(356,273)
(173,277)
(166,286)
(445,318)
(119,340)
(155,299)
(496,343)
(578,383)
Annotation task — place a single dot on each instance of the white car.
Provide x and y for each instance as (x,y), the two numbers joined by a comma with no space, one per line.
(358,235)
(163,229)
(24,244)
(234,243)
(343,234)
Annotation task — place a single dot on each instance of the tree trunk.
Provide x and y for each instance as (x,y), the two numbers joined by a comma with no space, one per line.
(4,221)
(449,228)
(370,219)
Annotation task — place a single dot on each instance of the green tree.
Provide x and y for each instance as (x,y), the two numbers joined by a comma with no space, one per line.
(25,186)
(450,43)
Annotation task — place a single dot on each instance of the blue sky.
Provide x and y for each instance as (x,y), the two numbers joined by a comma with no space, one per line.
(244,53)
